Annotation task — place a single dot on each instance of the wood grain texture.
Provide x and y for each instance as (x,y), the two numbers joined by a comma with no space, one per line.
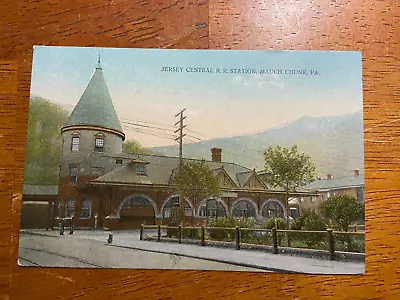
(8,95)
(369,26)
(373,28)
(164,24)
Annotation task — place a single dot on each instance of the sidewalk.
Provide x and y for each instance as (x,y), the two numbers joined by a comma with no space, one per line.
(254,259)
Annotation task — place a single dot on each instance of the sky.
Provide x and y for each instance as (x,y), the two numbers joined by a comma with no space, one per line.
(217,104)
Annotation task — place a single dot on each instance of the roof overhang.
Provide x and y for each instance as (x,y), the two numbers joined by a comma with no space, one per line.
(169,186)
(94,128)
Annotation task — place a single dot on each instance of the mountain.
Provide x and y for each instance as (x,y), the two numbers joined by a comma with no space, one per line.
(335,144)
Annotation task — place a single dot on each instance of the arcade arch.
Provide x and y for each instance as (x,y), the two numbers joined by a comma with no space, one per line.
(273,208)
(167,208)
(213,207)
(244,208)
(135,210)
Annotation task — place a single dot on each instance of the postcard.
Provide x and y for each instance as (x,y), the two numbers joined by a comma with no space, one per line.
(194,160)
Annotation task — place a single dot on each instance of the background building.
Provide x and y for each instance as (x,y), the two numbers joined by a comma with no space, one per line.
(38,206)
(351,185)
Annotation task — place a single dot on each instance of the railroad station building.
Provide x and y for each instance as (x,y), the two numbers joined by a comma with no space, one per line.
(103,187)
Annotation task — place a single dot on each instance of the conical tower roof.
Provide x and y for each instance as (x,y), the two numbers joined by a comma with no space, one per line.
(95,107)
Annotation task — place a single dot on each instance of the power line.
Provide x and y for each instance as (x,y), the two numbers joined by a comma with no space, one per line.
(154,134)
(135,128)
(194,137)
(136,122)
(190,140)
(147,126)
(147,122)
(158,134)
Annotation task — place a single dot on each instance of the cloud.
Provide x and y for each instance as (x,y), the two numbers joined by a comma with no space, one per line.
(259,80)
(256,76)
(276,83)
(237,79)
(194,112)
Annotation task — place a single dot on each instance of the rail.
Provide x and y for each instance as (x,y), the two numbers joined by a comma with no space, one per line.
(330,242)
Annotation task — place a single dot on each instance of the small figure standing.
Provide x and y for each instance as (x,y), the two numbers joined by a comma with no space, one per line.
(110,238)
(95,221)
(62,224)
(72,225)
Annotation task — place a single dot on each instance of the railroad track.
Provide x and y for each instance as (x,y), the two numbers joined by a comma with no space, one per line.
(30,262)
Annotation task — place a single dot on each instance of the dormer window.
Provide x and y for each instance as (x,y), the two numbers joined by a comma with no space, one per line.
(99,144)
(140,169)
(139,166)
(75,143)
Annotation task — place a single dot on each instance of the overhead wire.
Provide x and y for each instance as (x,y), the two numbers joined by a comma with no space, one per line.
(146,126)
(154,134)
(192,136)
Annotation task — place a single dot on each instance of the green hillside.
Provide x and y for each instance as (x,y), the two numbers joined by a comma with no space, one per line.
(334,143)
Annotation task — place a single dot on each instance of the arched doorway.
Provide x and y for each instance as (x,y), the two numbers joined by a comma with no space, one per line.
(170,209)
(273,209)
(244,208)
(135,211)
(213,208)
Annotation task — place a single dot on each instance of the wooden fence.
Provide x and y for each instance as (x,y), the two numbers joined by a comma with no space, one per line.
(329,241)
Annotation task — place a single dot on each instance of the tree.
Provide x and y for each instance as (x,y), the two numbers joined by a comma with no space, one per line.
(196,181)
(309,220)
(133,146)
(343,210)
(288,169)
(43,144)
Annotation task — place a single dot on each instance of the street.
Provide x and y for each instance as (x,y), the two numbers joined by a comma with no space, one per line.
(78,251)
(89,249)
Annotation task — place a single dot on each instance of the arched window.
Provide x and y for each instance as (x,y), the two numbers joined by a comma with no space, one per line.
(174,202)
(244,209)
(212,208)
(273,209)
(139,206)
(70,207)
(137,201)
(86,209)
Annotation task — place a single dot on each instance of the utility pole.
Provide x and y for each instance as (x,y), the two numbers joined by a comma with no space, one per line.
(179,139)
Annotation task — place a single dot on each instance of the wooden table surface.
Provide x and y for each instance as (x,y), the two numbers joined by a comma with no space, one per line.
(369,26)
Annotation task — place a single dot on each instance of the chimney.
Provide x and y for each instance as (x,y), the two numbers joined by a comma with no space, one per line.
(216,154)
(356,172)
(329,176)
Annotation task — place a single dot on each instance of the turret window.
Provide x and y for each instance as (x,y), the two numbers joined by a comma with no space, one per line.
(75,143)
(99,144)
